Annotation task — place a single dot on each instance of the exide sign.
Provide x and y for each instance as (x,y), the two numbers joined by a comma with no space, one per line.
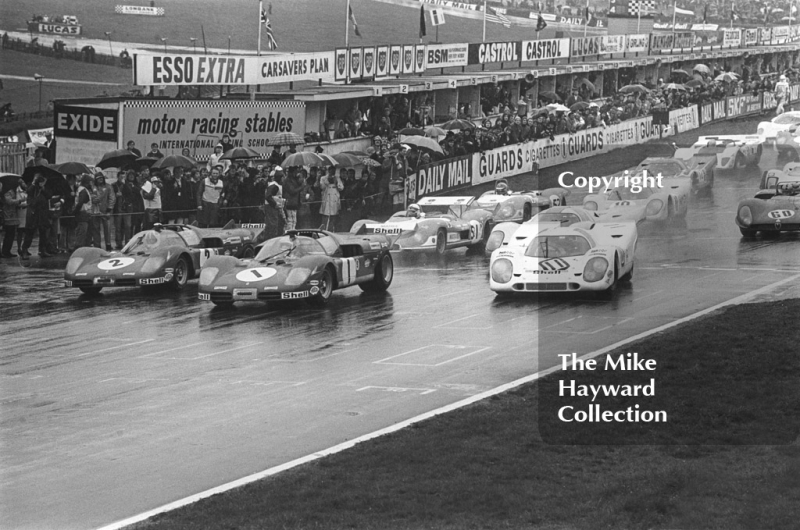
(84,122)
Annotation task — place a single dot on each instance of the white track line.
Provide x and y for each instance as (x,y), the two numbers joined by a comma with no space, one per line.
(422,417)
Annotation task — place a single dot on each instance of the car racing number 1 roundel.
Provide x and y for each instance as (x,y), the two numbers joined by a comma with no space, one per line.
(256,274)
(114,264)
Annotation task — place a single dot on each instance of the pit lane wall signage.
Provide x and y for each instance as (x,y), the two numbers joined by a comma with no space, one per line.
(743,105)
(537,50)
(54,29)
(442,176)
(714,111)
(495,52)
(89,123)
(685,119)
(200,124)
(446,55)
(140,10)
(171,70)
(731,38)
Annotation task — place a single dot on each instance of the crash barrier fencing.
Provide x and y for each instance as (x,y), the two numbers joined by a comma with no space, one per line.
(12,158)
(515,159)
(86,56)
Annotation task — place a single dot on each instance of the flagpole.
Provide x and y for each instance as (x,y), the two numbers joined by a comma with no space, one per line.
(639,18)
(484,20)
(260,23)
(586,18)
(347,25)
(674,14)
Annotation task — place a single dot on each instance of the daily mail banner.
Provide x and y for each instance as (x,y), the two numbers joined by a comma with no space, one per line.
(199,124)
(685,119)
(537,50)
(637,43)
(731,38)
(582,46)
(440,177)
(446,55)
(612,44)
(714,111)
(495,52)
(231,69)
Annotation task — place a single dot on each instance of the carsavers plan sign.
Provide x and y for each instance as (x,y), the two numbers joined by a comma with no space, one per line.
(149,70)
(198,125)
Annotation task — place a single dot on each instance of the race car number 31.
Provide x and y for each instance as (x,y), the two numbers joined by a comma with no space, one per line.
(114,264)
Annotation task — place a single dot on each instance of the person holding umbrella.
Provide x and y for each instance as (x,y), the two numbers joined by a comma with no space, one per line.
(22,215)
(331,186)
(292,191)
(38,219)
(123,206)
(11,206)
(102,207)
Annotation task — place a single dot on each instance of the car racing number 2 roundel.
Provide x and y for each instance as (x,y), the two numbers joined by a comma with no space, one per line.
(114,264)
(256,274)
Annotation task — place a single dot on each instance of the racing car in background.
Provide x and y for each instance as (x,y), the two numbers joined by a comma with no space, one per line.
(519,206)
(300,265)
(167,254)
(771,177)
(788,121)
(503,233)
(696,170)
(733,151)
(580,257)
(445,223)
(772,210)
(649,204)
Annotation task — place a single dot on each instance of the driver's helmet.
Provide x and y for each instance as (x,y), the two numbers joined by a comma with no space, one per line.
(501,188)
(413,210)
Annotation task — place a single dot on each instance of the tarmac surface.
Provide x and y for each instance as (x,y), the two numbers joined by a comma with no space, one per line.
(118,404)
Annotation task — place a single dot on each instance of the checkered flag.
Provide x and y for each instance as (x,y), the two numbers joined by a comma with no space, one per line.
(641,7)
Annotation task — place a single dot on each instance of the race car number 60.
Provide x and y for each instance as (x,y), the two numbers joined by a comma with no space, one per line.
(114,264)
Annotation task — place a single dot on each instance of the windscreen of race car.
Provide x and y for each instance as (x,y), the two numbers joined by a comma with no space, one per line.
(558,246)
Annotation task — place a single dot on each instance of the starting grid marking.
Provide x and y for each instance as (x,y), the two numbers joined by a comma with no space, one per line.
(398,389)
(424,355)
(616,321)
(195,357)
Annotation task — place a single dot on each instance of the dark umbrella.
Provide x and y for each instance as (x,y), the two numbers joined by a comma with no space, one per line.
(145,161)
(8,181)
(174,161)
(680,72)
(629,89)
(457,124)
(72,168)
(240,152)
(303,158)
(550,96)
(287,138)
(47,172)
(118,158)
(411,131)
(694,83)
(579,106)
(588,83)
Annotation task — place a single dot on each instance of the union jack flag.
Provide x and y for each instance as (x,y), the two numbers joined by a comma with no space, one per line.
(492,15)
(271,42)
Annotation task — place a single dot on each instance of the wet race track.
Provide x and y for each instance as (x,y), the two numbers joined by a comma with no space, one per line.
(121,403)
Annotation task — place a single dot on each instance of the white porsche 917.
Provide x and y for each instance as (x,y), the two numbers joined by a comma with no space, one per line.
(581,257)
(731,151)
(788,121)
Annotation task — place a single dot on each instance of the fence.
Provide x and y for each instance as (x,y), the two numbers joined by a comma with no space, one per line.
(84,55)
(12,158)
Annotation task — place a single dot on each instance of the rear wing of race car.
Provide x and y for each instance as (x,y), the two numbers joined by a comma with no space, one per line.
(730,139)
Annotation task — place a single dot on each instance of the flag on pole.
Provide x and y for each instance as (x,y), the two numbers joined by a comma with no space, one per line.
(422,29)
(271,42)
(705,15)
(437,17)
(540,23)
(492,15)
(588,16)
(353,20)
(734,16)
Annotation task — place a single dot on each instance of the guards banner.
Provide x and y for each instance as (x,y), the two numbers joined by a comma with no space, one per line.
(637,43)
(543,49)
(368,58)
(503,162)
(582,46)
(495,52)
(684,40)
(381,62)
(440,177)
(341,65)
(446,55)
(408,58)
(768,100)
(780,35)
(395,60)
(172,69)
(355,68)
(199,124)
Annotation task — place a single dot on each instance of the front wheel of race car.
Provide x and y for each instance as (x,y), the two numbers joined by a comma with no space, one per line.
(325,289)
(181,273)
(628,276)
(384,273)
(91,291)
(526,213)
(740,161)
(748,232)
(480,246)
(441,241)
(248,252)
(757,160)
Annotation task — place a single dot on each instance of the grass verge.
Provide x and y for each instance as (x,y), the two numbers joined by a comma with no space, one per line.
(486,466)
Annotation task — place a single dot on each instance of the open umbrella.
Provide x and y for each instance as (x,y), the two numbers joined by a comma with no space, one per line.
(347,160)
(54,181)
(411,131)
(694,83)
(174,161)
(727,77)
(303,158)
(434,131)
(703,69)
(287,138)
(550,96)
(458,124)
(328,160)
(145,161)
(73,168)
(557,107)
(674,86)
(630,89)
(541,112)
(356,153)
(588,84)
(369,162)
(680,72)
(422,142)
(240,152)
(8,181)
(579,106)
(117,158)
